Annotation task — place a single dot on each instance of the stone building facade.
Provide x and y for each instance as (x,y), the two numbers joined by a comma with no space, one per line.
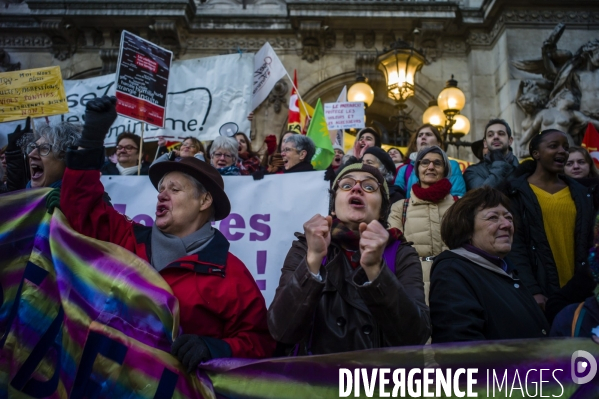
(328,42)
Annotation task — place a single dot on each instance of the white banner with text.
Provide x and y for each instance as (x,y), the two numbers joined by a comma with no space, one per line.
(264,215)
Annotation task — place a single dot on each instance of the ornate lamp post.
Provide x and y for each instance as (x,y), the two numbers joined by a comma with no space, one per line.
(400,64)
(445,113)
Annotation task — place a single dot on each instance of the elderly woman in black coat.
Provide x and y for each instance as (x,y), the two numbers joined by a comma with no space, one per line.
(475,295)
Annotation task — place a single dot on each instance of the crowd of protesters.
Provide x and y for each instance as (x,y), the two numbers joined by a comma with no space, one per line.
(410,250)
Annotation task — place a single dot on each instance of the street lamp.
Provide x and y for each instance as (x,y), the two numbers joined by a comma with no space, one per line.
(400,64)
(451,101)
(361,92)
(434,115)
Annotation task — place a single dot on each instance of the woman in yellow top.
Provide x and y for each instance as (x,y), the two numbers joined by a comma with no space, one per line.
(419,216)
(554,216)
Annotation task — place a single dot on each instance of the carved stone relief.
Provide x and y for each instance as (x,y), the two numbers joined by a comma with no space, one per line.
(278,96)
(349,39)
(568,98)
(65,37)
(330,39)
(310,33)
(6,65)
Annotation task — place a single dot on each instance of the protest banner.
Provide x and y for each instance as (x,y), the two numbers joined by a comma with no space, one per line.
(264,215)
(344,115)
(32,92)
(142,79)
(203,95)
(86,318)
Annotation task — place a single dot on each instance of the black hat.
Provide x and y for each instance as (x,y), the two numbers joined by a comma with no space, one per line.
(382,156)
(202,172)
(477,149)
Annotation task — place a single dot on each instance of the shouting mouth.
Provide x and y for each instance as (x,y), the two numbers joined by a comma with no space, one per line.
(161,210)
(37,171)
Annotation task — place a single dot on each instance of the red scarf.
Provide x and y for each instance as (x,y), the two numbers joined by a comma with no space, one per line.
(435,192)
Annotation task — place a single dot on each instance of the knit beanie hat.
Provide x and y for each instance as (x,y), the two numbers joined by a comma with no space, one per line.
(338,147)
(377,136)
(364,168)
(383,157)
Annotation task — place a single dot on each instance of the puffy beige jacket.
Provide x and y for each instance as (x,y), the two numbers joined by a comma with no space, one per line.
(423,227)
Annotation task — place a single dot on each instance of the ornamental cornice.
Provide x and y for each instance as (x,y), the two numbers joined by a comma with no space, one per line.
(527,18)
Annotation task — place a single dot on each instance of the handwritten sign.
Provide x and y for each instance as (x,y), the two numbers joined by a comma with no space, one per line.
(142,80)
(32,92)
(344,115)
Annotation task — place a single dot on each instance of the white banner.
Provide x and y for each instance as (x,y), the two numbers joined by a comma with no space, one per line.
(203,95)
(264,215)
(268,69)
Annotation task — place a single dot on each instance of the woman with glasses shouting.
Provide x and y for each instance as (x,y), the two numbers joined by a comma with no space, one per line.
(46,151)
(419,216)
(223,156)
(349,283)
(127,155)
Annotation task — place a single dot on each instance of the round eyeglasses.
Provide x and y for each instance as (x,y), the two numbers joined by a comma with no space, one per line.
(42,149)
(368,185)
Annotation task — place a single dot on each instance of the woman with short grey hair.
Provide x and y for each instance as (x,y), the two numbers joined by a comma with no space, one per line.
(420,216)
(46,149)
(223,156)
(297,152)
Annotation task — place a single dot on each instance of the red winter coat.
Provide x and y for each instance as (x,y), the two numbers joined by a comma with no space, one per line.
(217,295)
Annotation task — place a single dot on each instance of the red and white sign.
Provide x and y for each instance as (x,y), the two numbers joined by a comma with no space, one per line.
(142,80)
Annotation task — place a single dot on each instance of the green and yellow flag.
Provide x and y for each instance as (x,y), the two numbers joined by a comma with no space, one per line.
(319,133)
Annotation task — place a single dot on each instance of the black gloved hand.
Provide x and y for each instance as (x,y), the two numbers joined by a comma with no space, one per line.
(259,174)
(100,114)
(53,200)
(15,137)
(191,350)
(496,155)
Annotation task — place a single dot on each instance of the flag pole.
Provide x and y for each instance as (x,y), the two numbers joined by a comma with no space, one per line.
(298,95)
(141,143)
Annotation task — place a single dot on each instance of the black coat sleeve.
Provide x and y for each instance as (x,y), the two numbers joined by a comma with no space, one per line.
(456,312)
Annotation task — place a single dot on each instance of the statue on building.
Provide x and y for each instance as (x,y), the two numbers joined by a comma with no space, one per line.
(572,82)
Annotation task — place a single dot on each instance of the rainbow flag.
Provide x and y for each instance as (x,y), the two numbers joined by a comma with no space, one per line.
(81,317)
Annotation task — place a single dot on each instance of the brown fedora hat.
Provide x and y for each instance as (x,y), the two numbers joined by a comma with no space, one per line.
(202,172)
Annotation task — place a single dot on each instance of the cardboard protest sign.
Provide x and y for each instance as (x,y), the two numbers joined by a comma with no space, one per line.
(142,80)
(32,92)
(346,115)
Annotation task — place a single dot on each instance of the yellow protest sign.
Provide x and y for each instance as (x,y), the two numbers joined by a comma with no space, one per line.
(32,92)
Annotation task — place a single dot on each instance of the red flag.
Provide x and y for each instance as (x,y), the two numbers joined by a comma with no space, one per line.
(294,119)
(591,143)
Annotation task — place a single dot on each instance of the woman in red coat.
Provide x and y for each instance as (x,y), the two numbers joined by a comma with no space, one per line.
(222,312)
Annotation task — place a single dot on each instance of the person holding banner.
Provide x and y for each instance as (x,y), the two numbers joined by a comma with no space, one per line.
(348,283)
(127,153)
(190,147)
(222,312)
(223,156)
